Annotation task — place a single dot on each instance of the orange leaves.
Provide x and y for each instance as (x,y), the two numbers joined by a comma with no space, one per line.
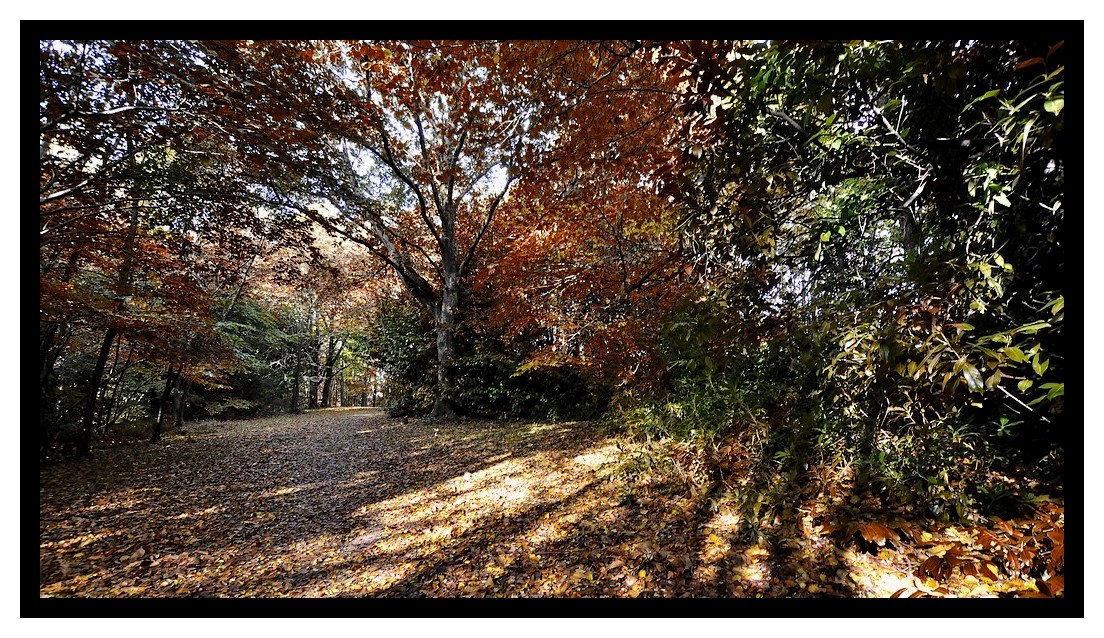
(1022,557)
(870,531)
(877,533)
(1054,586)
(939,566)
(1058,554)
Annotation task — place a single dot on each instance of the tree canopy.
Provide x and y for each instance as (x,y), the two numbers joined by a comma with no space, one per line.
(794,259)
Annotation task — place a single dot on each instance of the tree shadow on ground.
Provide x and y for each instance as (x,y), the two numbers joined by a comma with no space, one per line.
(157,519)
(362,505)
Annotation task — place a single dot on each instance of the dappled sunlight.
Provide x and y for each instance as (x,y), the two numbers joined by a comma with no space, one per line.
(288,490)
(417,524)
(347,505)
(78,541)
(203,512)
(340,502)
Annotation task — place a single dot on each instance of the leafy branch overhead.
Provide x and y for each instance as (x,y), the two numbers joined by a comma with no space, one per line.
(795,298)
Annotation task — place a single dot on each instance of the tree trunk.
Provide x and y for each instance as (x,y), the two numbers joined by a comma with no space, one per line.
(316,367)
(170,380)
(84,441)
(444,407)
(297,381)
(312,395)
(49,349)
(180,397)
(47,355)
(328,373)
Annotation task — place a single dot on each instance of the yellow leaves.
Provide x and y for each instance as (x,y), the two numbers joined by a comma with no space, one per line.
(941,549)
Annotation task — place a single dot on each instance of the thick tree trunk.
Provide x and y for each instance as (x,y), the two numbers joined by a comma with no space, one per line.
(84,441)
(445,405)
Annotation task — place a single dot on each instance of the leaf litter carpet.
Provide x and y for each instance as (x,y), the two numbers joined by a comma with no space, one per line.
(348,503)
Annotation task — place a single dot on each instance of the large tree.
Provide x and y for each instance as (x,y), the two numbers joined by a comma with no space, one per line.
(411,148)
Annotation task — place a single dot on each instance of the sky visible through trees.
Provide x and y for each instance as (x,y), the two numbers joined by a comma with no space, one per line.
(813,292)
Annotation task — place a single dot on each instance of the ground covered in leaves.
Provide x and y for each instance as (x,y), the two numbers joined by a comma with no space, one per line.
(347,503)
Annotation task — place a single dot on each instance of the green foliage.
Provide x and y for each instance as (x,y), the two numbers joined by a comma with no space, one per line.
(259,381)
(491,380)
(400,339)
(498,377)
(883,224)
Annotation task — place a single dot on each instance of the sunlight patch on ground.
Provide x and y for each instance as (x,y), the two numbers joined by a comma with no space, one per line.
(418,525)
(286,490)
(598,458)
(214,509)
(80,541)
(302,506)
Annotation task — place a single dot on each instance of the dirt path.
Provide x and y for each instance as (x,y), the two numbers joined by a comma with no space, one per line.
(341,502)
(349,503)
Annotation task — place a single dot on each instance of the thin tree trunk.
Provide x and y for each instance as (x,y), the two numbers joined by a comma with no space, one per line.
(84,441)
(181,402)
(312,395)
(49,351)
(115,406)
(170,380)
(328,372)
(296,382)
(316,367)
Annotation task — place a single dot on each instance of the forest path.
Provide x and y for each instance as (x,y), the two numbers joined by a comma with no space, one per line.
(338,502)
(346,502)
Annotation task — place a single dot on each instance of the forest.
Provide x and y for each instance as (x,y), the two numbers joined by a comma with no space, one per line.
(554,318)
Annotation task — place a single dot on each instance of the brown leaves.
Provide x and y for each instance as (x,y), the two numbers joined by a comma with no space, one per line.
(870,531)
(346,503)
(877,533)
